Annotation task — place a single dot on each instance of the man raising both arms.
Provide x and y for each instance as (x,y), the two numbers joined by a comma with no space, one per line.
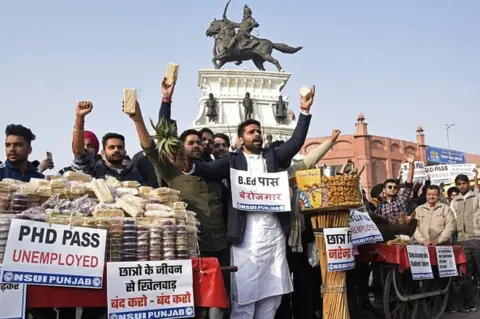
(258,238)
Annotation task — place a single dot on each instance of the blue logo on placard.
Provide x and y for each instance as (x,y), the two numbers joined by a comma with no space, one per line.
(113,316)
(97,281)
(189,311)
(7,276)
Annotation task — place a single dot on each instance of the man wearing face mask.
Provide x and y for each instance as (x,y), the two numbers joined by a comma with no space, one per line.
(203,195)
(113,152)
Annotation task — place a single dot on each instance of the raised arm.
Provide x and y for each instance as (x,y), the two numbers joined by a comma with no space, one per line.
(163,168)
(82,109)
(290,148)
(82,160)
(166,106)
(314,156)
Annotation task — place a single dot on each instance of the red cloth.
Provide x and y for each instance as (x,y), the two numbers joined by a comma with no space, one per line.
(88,135)
(397,254)
(208,289)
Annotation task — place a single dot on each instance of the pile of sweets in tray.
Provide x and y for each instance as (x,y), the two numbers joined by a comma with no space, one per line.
(142,223)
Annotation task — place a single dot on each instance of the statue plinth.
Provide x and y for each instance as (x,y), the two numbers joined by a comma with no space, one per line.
(229,88)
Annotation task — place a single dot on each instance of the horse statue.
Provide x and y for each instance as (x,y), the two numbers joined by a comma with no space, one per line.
(259,50)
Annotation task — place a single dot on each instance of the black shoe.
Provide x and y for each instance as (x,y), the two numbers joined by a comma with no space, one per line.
(468,309)
(452,311)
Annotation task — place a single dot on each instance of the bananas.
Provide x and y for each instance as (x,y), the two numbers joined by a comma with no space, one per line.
(166,135)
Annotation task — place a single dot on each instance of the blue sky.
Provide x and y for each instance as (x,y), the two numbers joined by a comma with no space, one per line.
(402,63)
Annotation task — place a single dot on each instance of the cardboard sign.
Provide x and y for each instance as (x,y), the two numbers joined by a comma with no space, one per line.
(338,242)
(419,259)
(439,174)
(150,289)
(447,267)
(260,192)
(54,255)
(364,231)
(12,300)
(419,173)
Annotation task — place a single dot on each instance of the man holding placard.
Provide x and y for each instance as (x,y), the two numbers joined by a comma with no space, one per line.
(257,230)
(395,202)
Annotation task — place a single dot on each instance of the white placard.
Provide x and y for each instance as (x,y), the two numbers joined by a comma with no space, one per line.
(12,301)
(419,260)
(54,255)
(267,192)
(419,173)
(446,173)
(150,289)
(339,247)
(465,169)
(447,267)
(364,231)
(439,174)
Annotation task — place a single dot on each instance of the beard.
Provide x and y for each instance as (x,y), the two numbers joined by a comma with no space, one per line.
(115,159)
(253,148)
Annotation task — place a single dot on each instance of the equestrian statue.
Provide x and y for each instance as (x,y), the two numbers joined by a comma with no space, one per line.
(237,46)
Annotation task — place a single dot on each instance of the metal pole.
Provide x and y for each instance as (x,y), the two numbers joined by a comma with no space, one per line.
(447,127)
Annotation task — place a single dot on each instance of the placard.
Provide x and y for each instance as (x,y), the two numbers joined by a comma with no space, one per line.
(12,300)
(419,173)
(338,242)
(150,289)
(260,191)
(54,255)
(419,260)
(439,174)
(446,173)
(364,231)
(465,169)
(447,267)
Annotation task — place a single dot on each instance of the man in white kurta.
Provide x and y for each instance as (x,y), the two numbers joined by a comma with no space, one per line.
(263,275)
(259,249)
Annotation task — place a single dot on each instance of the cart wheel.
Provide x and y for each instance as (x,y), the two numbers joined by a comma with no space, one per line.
(393,307)
(434,307)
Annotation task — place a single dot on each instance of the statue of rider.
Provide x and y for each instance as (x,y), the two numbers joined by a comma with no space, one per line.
(243,38)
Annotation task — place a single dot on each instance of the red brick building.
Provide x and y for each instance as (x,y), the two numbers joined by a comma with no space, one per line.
(381,155)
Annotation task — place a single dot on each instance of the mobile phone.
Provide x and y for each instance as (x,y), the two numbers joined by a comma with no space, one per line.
(49,156)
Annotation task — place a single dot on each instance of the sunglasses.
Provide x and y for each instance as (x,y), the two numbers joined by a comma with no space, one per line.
(392,187)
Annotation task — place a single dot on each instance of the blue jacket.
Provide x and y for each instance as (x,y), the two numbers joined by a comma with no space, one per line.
(8,171)
(276,159)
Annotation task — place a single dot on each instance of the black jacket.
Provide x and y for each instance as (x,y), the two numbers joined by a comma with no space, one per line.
(275,160)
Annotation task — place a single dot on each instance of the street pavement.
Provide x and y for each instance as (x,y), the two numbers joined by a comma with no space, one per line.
(470,315)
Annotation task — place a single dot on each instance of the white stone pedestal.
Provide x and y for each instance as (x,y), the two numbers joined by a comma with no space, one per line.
(229,88)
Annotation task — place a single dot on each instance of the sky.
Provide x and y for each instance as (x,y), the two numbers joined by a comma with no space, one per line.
(402,63)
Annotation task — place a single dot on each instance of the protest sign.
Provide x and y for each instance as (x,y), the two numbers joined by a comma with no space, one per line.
(419,173)
(419,259)
(260,191)
(446,173)
(465,169)
(54,255)
(338,242)
(155,289)
(364,231)
(439,174)
(447,267)
(12,301)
